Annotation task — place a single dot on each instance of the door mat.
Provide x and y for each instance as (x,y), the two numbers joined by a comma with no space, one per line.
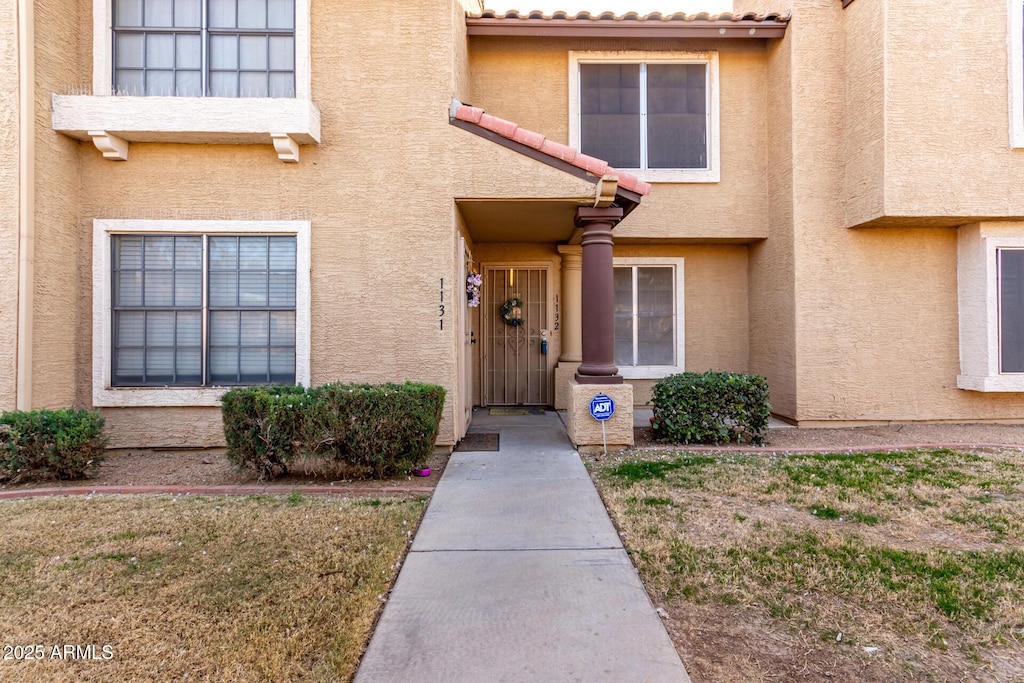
(478,442)
(519,410)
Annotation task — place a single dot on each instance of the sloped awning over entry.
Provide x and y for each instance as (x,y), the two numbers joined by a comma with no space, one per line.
(525,187)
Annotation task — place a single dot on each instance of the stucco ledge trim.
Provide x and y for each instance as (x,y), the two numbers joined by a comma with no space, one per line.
(1000,383)
(190,120)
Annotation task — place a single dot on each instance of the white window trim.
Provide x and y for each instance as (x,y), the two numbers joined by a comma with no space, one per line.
(978,303)
(1015,57)
(105,395)
(712,174)
(660,371)
(112,122)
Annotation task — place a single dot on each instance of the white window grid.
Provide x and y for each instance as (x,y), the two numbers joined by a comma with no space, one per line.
(710,174)
(678,321)
(106,395)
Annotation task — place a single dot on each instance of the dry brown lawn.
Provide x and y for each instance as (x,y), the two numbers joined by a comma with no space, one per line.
(857,567)
(212,589)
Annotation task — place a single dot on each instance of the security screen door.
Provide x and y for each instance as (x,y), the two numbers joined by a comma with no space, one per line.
(515,368)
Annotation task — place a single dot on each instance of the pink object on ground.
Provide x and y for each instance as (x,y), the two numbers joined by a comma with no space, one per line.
(421,471)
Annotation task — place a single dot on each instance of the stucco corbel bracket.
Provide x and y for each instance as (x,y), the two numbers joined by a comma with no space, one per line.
(607,188)
(112,146)
(287,149)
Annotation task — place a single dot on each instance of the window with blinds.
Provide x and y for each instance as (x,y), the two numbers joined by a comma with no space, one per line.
(645,116)
(195,48)
(645,316)
(203,310)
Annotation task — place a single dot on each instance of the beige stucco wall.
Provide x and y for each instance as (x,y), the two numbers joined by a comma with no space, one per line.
(9,162)
(772,262)
(877,310)
(527,81)
(377,192)
(57,376)
(864,144)
(715,287)
(928,123)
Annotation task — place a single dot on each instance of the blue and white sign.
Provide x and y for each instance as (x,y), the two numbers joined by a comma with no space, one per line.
(602,407)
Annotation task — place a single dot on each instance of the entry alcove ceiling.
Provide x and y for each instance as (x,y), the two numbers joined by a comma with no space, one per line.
(519,220)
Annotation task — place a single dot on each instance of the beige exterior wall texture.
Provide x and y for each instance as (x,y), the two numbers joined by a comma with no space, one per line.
(527,81)
(377,192)
(876,310)
(9,205)
(61,305)
(819,131)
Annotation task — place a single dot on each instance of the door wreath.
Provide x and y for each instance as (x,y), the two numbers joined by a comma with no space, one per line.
(512,312)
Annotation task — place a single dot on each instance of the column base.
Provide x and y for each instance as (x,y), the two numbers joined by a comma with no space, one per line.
(564,372)
(585,431)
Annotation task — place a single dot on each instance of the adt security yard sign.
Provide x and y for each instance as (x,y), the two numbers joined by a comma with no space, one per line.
(602,407)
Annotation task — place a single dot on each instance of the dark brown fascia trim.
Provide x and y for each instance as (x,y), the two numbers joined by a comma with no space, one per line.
(847,3)
(564,28)
(627,199)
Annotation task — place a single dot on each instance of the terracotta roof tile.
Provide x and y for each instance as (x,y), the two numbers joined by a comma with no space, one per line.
(556,150)
(629,16)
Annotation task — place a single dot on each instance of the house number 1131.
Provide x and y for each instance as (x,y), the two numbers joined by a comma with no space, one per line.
(440,306)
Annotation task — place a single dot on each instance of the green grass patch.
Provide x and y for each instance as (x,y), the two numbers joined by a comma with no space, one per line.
(918,553)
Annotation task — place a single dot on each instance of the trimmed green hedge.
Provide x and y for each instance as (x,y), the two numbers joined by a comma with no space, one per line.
(711,407)
(379,429)
(67,443)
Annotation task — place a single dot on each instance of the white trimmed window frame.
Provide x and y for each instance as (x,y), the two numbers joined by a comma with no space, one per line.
(1015,54)
(105,395)
(711,174)
(978,302)
(660,371)
(111,122)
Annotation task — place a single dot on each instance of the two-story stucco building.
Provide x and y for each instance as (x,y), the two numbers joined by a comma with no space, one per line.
(196,194)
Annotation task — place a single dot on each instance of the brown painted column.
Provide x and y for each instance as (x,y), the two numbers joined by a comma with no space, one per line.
(598,297)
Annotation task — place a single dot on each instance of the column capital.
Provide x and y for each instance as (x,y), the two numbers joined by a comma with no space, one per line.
(586,215)
(570,249)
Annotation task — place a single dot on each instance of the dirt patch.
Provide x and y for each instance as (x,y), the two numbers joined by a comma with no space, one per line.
(210,467)
(900,435)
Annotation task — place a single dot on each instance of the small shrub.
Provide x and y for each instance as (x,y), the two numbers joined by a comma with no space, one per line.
(711,407)
(383,429)
(374,429)
(66,444)
(262,425)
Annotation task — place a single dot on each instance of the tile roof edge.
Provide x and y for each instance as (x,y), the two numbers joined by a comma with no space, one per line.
(537,141)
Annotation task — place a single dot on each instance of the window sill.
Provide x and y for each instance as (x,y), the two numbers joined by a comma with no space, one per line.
(112,123)
(649,371)
(709,175)
(991,383)
(162,397)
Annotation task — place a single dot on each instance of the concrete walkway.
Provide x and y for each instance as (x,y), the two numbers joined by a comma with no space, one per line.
(517,574)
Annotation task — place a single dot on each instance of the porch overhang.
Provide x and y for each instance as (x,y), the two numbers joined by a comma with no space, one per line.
(536,24)
(533,195)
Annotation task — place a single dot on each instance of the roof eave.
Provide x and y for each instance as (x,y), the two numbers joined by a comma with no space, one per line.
(572,28)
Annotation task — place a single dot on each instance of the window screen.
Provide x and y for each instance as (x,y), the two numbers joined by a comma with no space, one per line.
(190,48)
(645,116)
(1011,310)
(645,315)
(167,328)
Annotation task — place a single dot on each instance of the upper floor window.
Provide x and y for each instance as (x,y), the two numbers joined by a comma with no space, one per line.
(194,48)
(655,114)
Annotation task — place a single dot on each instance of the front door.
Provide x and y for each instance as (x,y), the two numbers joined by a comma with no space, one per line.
(515,332)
